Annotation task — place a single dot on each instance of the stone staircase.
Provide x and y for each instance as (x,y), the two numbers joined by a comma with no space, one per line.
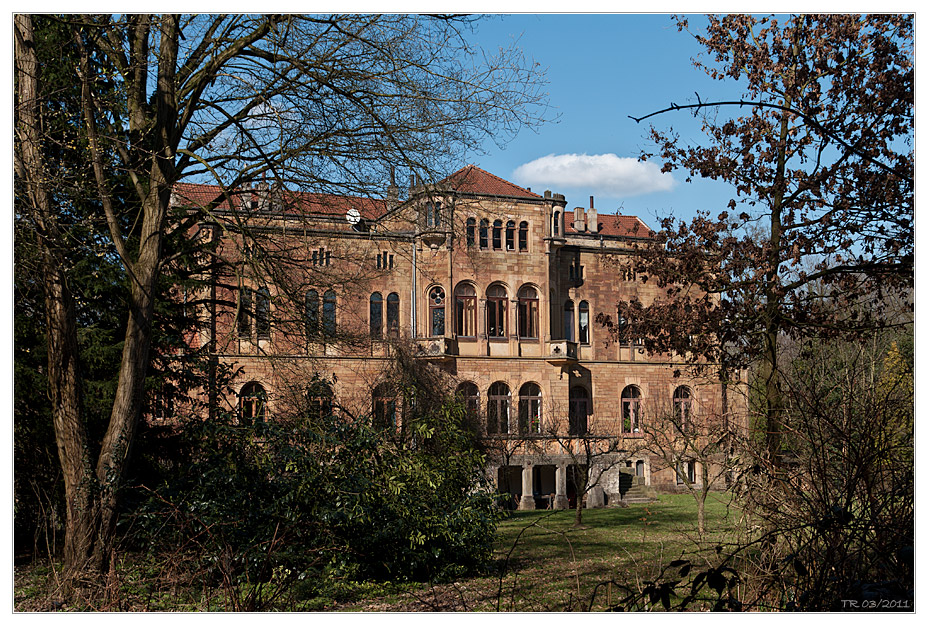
(634,490)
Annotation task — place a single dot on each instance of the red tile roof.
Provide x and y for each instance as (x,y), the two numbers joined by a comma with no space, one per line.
(613,225)
(472,179)
(294,202)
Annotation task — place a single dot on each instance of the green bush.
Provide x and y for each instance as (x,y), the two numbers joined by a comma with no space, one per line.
(298,506)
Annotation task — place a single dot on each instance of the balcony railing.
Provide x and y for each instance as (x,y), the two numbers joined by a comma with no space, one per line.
(437,348)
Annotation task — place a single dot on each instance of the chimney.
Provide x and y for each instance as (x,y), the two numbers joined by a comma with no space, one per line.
(393,192)
(591,222)
(578,219)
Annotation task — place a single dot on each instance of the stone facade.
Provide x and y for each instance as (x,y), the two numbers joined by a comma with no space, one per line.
(498,286)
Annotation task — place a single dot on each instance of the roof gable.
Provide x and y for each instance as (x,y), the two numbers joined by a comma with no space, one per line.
(473,180)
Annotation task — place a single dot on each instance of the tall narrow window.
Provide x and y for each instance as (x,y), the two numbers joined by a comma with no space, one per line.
(631,410)
(624,331)
(497,234)
(498,409)
(433,215)
(469,396)
(383,409)
(251,403)
(569,320)
(523,236)
(682,408)
(510,235)
(528,313)
(484,233)
(471,231)
(312,313)
(578,410)
(328,313)
(319,399)
(530,409)
(244,313)
(376,315)
(393,315)
(263,313)
(465,310)
(584,325)
(437,311)
(496,311)
(556,224)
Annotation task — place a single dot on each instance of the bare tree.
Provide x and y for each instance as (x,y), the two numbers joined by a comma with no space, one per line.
(593,446)
(317,103)
(695,442)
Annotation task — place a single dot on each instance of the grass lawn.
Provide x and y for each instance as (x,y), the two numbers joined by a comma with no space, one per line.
(542,562)
(546,564)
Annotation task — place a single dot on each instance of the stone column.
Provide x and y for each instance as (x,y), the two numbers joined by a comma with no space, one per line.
(527,501)
(560,486)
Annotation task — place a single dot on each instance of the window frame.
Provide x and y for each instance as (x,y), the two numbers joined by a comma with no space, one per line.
(393,315)
(437,298)
(376,315)
(465,310)
(528,313)
(631,411)
(530,409)
(498,408)
(497,309)
(578,421)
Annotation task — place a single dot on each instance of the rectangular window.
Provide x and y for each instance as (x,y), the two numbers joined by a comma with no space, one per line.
(465,310)
(528,318)
(496,317)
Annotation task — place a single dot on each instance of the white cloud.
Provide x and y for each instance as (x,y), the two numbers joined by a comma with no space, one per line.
(603,174)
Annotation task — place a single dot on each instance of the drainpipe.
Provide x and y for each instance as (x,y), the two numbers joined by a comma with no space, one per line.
(412,300)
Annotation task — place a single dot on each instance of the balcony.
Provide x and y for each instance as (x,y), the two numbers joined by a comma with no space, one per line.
(436,348)
(561,351)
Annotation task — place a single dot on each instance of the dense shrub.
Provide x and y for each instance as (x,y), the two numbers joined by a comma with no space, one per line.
(306,503)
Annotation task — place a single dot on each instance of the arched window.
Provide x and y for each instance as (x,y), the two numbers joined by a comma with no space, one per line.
(556,224)
(383,407)
(263,313)
(497,307)
(528,312)
(244,313)
(523,236)
(465,310)
(328,313)
(469,395)
(569,320)
(252,402)
(497,234)
(510,235)
(498,409)
(577,411)
(584,325)
(471,231)
(319,399)
(437,311)
(631,410)
(312,313)
(682,408)
(393,315)
(530,409)
(376,315)
(484,233)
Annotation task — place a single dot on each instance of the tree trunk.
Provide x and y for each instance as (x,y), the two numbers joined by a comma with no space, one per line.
(64,381)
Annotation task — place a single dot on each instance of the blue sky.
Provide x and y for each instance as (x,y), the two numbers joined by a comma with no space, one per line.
(602,68)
